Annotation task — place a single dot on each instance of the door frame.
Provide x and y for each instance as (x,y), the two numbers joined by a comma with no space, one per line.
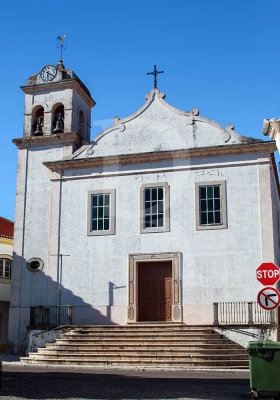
(134,259)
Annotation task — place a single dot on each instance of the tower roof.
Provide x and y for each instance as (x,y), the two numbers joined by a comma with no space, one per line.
(63,76)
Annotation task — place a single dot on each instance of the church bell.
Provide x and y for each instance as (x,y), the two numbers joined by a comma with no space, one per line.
(59,126)
(39,127)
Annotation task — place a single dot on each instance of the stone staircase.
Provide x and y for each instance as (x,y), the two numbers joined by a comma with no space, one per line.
(143,345)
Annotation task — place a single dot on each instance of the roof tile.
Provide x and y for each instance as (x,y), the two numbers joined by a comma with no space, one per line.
(6,228)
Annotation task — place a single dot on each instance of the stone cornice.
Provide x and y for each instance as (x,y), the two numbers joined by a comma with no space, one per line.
(67,84)
(159,156)
(51,140)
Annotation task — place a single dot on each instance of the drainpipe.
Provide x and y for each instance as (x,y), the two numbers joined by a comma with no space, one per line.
(58,231)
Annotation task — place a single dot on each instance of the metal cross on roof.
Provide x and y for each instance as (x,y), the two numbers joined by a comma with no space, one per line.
(155,72)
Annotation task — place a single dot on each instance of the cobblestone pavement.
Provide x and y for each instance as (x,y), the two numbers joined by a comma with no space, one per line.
(23,382)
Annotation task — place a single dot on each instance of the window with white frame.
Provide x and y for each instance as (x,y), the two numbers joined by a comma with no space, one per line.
(101,212)
(5,268)
(154,208)
(210,205)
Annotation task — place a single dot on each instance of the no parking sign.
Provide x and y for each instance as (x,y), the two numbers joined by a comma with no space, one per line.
(269,298)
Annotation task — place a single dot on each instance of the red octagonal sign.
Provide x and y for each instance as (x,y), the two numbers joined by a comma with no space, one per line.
(268,274)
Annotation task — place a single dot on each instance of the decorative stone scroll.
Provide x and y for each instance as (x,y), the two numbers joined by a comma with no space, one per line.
(134,259)
(121,127)
(227,133)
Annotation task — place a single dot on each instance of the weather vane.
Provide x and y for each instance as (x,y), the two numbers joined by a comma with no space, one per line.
(155,73)
(62,47)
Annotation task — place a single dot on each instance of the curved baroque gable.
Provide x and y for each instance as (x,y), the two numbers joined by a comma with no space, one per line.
(157,126)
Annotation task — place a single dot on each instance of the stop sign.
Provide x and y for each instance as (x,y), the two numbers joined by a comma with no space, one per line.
(268,274)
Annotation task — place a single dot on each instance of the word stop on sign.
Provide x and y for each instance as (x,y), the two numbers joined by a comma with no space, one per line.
(268,274)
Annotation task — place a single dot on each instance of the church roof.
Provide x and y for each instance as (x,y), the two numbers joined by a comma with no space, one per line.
(6,228)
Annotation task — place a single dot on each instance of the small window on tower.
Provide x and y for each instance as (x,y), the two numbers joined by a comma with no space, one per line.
(81,123)
(58,119)
(38,122)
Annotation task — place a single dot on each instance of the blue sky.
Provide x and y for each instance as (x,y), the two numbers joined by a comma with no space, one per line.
(219,56)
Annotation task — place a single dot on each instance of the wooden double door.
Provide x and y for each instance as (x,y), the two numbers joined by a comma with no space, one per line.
(155,291)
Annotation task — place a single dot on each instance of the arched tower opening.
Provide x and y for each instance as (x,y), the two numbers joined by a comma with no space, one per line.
(58,118)
(37,121)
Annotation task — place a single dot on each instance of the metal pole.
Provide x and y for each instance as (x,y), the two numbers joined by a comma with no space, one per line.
(60,280)
(60,257)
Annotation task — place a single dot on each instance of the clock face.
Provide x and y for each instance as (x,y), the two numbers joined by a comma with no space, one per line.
(48,73)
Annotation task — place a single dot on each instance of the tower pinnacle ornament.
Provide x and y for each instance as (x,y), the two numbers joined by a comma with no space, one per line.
(155,73)
(60,62)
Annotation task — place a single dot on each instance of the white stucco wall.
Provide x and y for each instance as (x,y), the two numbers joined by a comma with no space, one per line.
(37,218)
(6,248)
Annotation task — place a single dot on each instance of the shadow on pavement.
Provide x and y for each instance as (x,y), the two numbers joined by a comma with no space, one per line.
(61,385)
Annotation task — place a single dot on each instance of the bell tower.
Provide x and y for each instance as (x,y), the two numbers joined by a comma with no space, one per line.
(57,119)
(57,107)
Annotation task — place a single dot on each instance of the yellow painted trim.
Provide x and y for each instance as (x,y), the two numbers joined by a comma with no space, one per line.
(3,347)
(6,241)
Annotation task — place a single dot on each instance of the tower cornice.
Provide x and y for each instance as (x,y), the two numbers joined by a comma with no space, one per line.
(50,140)
(67,84)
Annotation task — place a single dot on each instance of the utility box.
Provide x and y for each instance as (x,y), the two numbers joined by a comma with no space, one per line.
(264,361)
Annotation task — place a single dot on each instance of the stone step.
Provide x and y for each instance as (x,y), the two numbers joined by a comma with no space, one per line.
(140,363)
(140,335)
(137,354)
(151,347)
(144,330)
(148,345)
(159,340)
(144,325)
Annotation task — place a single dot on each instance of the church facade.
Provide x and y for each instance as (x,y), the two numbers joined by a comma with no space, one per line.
(161,217)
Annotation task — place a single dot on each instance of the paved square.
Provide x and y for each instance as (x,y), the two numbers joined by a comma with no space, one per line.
(22,382)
